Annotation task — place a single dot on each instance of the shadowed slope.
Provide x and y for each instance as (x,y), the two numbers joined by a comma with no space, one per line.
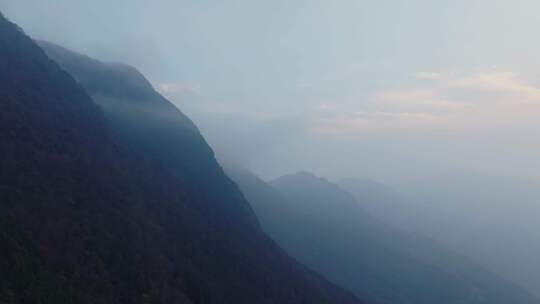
(89,216)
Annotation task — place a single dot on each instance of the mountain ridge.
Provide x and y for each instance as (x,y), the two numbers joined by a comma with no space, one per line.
(89,216)
(334,236)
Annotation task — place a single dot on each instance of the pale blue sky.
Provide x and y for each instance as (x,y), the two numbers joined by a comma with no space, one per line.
(391,86)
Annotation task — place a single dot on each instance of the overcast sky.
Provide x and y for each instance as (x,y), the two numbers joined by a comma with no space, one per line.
(387,89)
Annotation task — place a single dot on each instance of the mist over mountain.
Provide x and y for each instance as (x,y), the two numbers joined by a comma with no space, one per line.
(381,201)
(328,230)
(491,219)
(92,215)
(471,214)
(417,117)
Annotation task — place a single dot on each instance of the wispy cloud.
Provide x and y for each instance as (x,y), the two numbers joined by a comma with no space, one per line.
(177,88)
(509,86)
(375,121)
(477,102)
(425,99)
(428,76)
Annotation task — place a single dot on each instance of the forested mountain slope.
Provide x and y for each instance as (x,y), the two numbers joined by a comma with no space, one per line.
(91,215)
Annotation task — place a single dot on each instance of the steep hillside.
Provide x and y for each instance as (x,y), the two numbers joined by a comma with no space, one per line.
(153,128)
(90,214)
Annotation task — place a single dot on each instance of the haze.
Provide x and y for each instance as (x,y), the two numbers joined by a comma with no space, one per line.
(440,99)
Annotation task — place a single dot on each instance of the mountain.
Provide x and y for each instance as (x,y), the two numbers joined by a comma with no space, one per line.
(272,208)
(327,230)
(92,211)
(153,128)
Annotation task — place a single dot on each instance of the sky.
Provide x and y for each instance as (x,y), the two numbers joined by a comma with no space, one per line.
(391,90)
(421,94)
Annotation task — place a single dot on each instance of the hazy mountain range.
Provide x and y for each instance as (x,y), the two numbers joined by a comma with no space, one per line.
(110,194)
(329,230)
(489,219)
